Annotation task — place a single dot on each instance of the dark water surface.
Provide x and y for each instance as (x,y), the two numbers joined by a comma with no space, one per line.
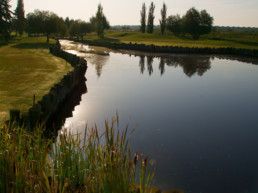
(196,115)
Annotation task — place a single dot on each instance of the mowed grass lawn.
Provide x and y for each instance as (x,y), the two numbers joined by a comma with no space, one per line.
(216,39)
(27,68)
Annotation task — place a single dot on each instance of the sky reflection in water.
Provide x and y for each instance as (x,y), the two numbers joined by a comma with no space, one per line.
(196,115)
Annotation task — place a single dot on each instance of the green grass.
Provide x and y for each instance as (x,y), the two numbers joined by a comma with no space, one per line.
(216,39)
(27,68)
(97,164)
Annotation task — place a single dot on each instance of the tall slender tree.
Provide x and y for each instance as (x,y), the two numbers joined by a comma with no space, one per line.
(100,22)
(143,18)
(20,17)
(151,18)
(5,19)
(162,21)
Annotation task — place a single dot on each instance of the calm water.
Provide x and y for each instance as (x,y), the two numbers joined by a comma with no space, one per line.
(196,115)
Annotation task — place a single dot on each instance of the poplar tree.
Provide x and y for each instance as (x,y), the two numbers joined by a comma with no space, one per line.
(143,18)
(162,21)
(5,19)
(20,18)
(100,22)
(151,17)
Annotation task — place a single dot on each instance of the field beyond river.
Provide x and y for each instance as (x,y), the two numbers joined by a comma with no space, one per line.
(216,39)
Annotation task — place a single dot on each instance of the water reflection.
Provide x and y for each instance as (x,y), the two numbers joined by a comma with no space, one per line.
(191,64)
(162,66)
(149,64)
(142,64)
(99,56)
(66,109)
(98,61)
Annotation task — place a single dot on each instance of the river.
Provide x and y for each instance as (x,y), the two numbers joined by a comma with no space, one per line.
(196,115)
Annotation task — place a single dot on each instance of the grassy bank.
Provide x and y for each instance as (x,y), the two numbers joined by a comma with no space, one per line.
(216,39)
(27,68)
(98,164)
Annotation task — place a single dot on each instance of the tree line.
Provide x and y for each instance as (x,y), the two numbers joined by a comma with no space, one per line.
(47,23)
(193,22)
(38,22)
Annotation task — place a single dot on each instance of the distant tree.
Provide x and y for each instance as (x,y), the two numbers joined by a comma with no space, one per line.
(36,22)
(20,17)
(143,18)
(206,22)
(52,25)
(174,24)
(85,28)
(193,22)
(100,22)
(45,22)
(190,23)
(62,29)
(5,19)
(68,22)
(74,29)
(196,23)
(151,17)
(80,28)
(162,21)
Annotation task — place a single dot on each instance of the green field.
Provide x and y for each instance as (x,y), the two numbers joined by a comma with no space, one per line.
(27,68)
(236,39)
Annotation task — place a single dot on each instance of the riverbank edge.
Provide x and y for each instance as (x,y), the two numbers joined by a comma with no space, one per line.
(45,109)
(172,49)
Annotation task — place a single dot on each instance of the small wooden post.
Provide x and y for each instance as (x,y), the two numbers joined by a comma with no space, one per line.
(34,98)
(14,115)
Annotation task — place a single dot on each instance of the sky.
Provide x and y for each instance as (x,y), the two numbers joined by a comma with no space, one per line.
(243,13)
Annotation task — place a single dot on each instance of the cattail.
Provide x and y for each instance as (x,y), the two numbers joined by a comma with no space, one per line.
(112,155)
(129,164)
(136,157)
(106,165)
(66,183)
(144,162)
(124,159)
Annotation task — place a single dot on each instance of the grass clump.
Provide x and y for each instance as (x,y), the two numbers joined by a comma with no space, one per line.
(99,163)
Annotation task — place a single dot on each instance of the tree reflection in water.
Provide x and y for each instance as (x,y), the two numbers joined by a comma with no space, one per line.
(162,66)
(142,64)
(149,64)
(98,61)
(191,64)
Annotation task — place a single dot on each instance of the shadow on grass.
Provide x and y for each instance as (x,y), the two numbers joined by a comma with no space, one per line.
(3,43)
(246,43)
(32,46)
(12,40)
(109,40)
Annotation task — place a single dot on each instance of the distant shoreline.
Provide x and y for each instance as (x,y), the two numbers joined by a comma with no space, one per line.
(172,49)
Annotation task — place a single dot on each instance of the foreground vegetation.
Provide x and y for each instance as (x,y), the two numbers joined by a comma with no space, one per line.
(27,68)
(99,163)
(216,39)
